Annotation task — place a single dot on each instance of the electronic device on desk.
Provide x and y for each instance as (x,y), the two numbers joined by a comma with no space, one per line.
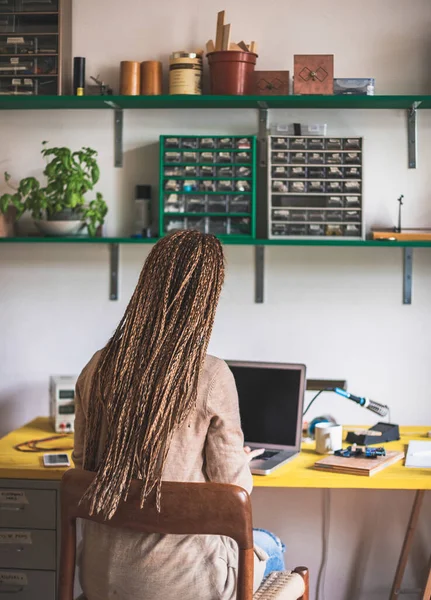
(62,402)
(378,434)
(271,401)
(56,460)
(358,465)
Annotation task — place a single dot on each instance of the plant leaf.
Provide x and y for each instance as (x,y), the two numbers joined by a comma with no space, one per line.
(5,202)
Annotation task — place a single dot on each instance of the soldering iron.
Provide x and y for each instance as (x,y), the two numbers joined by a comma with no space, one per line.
(376,407)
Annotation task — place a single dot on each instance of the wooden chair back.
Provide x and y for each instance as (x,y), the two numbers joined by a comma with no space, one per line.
(187,508)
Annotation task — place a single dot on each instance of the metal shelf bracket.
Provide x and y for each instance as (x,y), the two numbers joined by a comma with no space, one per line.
(412,130)
(259,257)
(114,252)
(118,133)
(407,275)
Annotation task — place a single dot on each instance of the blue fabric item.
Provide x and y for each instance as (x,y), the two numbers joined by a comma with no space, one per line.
(274,548)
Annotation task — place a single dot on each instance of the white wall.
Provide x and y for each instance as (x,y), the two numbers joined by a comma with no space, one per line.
(339,311)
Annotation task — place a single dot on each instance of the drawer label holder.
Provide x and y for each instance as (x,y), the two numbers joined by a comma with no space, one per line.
(15,537)
(13,497)
(15,579)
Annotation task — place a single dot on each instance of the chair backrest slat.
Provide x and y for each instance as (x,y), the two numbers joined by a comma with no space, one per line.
(186,508)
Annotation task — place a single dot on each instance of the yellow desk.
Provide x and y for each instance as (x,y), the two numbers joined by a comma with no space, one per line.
(28,465)
(300,473)
(29,470)
(296,474)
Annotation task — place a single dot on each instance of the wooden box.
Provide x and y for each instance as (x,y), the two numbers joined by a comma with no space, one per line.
(271,83)
(313,74)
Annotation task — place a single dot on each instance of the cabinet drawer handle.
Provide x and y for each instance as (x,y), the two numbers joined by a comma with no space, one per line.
(11,590)
(19,549)
(12,508)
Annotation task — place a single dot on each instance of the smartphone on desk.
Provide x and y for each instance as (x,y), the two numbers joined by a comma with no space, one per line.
(56,460)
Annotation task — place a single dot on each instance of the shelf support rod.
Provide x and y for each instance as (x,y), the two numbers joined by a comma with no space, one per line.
(259,257)
(407,275)
(118,133)
(114,252)
(412,130)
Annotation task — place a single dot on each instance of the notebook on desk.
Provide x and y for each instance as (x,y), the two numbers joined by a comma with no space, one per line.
(271,401)
(419,455)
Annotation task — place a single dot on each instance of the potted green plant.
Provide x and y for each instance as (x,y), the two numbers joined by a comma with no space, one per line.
(60,207)
(11,209)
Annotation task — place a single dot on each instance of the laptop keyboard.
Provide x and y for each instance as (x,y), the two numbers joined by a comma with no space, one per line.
(267,454)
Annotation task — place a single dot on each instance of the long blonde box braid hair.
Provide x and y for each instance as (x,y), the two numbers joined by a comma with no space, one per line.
(146,380)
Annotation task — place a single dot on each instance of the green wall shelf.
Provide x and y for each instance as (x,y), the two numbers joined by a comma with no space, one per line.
(331,242)
(259,248)
(409,103)
(174,102)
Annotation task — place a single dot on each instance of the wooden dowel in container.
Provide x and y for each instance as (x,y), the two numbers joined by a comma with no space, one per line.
(243,46)
(219,30)
(226,37)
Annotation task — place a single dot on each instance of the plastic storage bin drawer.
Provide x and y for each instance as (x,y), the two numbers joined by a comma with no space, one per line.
(7,23)
(17,86)
(196,204)
(239,226)
(197,223)
(27,23)
(37,5)
(17,66)
(240,204)
(28,66)
(7,6)
(27,44)
(218,204)
(29,6)
(25,85)
(217,225)
(173,224)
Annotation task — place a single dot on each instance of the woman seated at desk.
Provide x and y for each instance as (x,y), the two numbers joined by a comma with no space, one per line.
(153,405)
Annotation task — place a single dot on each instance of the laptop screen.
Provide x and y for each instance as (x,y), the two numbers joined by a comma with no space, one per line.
(271,401)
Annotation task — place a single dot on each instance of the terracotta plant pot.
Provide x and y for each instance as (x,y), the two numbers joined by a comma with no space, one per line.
(8,223)
(231,72)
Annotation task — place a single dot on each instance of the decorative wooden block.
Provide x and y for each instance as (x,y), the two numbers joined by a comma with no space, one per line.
(271,83)
(313,74)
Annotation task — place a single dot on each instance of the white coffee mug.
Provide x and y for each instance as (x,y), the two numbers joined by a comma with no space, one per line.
(329,437)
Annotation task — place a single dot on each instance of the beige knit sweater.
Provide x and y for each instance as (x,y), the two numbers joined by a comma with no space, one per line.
(122,565)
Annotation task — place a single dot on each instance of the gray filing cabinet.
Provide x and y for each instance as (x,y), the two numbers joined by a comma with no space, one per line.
(29,539)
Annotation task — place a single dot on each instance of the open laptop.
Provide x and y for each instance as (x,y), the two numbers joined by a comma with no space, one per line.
(271,401)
